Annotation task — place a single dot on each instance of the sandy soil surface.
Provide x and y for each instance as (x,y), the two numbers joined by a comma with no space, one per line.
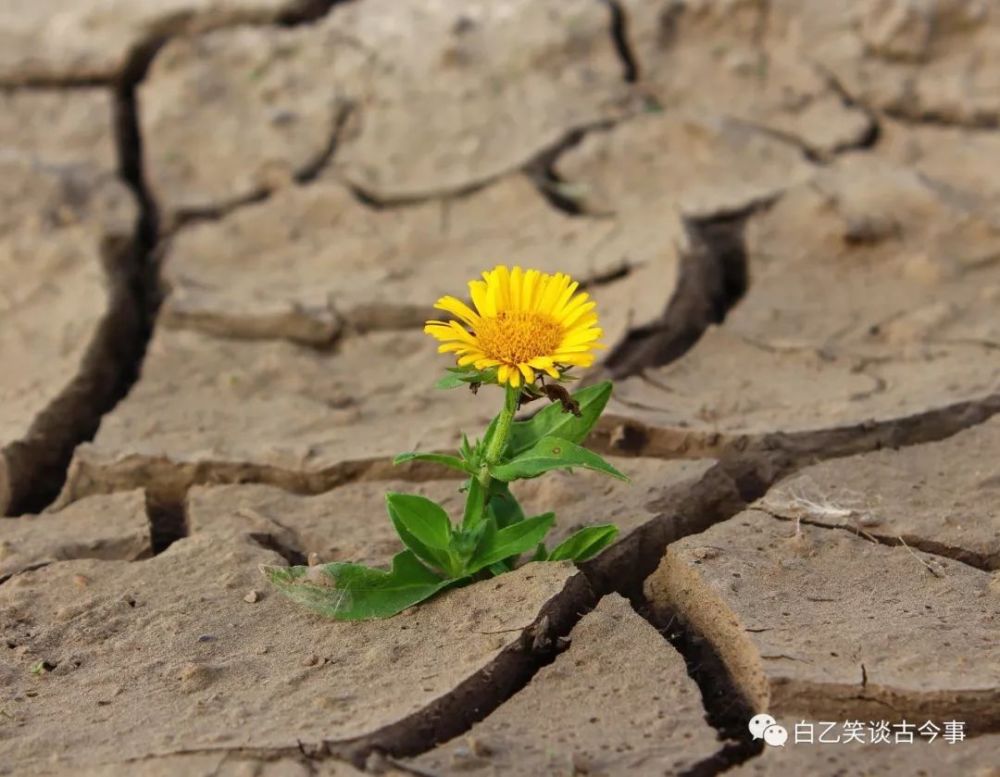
(223,224)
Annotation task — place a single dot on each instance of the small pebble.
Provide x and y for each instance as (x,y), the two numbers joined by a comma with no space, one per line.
(312,559)
(252,597)
(206,638)
(478,747)
(81,581)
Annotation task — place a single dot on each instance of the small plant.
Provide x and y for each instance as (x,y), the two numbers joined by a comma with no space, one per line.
(528,330)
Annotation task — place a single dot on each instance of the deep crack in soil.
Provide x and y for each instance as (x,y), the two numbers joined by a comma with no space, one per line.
(479,695)
(712,279)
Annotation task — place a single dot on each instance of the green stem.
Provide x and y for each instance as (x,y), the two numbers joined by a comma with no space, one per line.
(500,435)
(479,491)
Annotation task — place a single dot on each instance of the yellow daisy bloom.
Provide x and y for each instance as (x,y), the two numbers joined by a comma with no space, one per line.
(525,320)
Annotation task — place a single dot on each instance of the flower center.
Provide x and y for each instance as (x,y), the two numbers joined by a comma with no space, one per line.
(517,337)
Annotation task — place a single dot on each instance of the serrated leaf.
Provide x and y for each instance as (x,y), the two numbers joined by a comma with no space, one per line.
(424,527)
(437,458)
(552,453)
(510,542)
(355,592)
(585,543)
(554,421)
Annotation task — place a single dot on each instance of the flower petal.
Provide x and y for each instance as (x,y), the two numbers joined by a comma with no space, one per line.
(553,289)
(576,359)
(501,277)
(516,287)
(480,291)
(459,309)
(564,299)
(581,337)
(532,289)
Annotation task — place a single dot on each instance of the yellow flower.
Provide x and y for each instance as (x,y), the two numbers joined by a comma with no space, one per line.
(524,321)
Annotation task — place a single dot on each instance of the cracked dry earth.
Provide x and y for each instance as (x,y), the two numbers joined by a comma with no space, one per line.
(223,223)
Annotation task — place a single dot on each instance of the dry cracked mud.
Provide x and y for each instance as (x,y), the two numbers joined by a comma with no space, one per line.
(231,674)
(66,242)
(593,710)
(810,621)
(312,263)
(406,99)
(974,757)
(907,279)
(112,526)
(224,224)
(59,42)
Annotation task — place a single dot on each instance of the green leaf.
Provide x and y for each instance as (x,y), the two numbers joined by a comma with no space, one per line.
(463,376)
(511,541)
(553,421)
(585,544)
(483,446)
(466,450)
(437,458)
(541,554)
(466,540)
(424,528)
(552,453)
(504,505)
(355,592)
(450,381)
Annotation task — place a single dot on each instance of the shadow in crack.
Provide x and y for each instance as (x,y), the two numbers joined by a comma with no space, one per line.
(713,278)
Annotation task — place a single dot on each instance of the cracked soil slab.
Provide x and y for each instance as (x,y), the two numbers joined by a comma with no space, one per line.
(923,61)
(217,764)
(718,56)
(114,526)
(312,262)
(57,127)
(208,409)
(618,701)
(867,285)
(229,674)
(943,497)
(821,622)
(695,164)
(893,260)
(442,98)
(79,41)
(970,756)
(68,323)
(800,401)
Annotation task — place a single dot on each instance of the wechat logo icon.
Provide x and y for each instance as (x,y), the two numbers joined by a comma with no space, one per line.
(765,727)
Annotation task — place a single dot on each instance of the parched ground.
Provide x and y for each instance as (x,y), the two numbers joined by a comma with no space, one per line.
(222,224)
